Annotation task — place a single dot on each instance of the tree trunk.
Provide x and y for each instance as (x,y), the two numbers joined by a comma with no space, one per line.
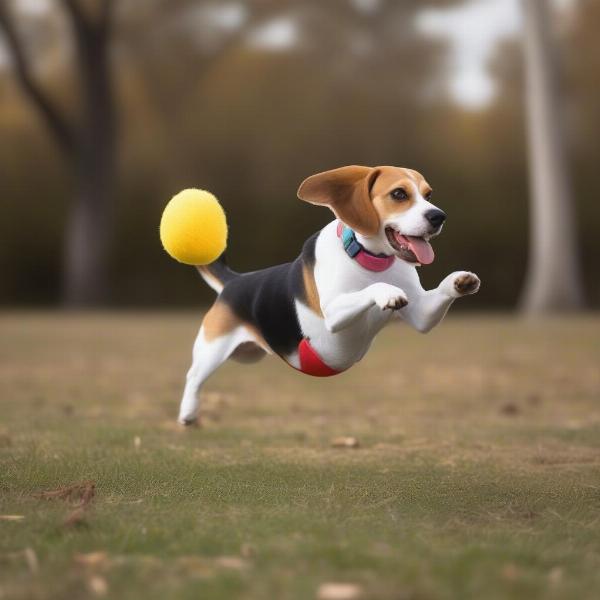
(90,148)
(89,238)
(553,280)
(91,223)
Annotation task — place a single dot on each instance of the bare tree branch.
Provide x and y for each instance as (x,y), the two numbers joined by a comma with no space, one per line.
(75,11)
(55,121)
(86,23)
(82,28)
(106,13)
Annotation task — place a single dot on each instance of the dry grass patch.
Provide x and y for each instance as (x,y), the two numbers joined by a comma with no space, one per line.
(472,471)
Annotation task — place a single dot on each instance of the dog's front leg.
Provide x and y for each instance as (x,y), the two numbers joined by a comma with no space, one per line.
(427,308)
(345,309)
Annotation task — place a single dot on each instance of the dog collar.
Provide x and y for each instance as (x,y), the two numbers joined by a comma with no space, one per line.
(355,250)
(311,363)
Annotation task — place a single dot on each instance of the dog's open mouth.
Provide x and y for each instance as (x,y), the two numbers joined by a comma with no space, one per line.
(410,248)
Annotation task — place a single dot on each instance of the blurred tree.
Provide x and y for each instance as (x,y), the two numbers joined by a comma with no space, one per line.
(337,38)
(553,280)
(88,146)
(582,66)
(346,82)
(248,98)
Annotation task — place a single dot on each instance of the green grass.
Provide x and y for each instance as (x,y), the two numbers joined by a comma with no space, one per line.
(477,475)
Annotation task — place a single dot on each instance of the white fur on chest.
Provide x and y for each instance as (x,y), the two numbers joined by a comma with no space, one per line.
(335,273)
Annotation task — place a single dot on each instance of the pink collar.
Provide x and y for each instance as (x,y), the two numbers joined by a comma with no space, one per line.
(354,249)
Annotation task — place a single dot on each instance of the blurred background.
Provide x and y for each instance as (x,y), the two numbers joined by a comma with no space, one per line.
(443,466)
(109,108)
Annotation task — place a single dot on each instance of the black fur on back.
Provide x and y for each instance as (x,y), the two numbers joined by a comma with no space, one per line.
(266,298)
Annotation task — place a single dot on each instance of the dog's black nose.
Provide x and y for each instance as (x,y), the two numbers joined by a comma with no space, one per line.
(436,217)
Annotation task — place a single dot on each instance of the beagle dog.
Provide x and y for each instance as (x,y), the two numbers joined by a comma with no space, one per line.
(321,312)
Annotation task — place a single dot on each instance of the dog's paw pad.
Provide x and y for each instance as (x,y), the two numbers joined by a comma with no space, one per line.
(396,303)
(388,297)
(467,283)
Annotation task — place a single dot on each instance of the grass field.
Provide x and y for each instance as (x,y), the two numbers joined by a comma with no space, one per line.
(477,473)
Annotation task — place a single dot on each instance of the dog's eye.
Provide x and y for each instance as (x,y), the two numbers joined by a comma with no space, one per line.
(427,196)
(399,194)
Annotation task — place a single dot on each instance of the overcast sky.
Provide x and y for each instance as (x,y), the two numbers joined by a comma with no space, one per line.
(473,28)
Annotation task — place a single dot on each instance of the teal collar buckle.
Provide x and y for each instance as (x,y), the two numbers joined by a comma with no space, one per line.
(355,250)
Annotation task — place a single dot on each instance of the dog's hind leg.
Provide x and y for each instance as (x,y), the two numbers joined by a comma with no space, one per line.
(220,335)
(208,356)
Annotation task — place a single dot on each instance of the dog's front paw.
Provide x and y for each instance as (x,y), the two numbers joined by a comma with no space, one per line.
(389,297)
(466,283)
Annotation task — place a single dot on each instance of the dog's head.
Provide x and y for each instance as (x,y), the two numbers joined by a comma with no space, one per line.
(388,206)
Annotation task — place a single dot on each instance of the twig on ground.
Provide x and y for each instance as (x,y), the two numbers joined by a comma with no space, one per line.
(81,494)
(84,492)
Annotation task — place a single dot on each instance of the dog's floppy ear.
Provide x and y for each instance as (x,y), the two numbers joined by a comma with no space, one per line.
(347,192)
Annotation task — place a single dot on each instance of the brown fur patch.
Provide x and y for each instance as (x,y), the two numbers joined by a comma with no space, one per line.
(360,196)
(219,320)
(347,193)
(391,178)
(310,290)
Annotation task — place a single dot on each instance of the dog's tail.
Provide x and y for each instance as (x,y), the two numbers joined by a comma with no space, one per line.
(217,274)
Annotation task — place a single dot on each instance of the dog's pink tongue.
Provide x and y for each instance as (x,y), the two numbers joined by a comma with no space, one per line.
(421,249)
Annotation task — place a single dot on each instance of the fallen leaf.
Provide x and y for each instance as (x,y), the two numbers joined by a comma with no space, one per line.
(31,559)
(555,575)
(345,442)
(84,492)
(339,591)
(91,559)
(196,566)
(510,409)
(98,585)
(88,493)
(75,518)
(232,562)
(510,572)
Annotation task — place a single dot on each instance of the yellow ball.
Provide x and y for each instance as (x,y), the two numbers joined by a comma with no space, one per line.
(193,228)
